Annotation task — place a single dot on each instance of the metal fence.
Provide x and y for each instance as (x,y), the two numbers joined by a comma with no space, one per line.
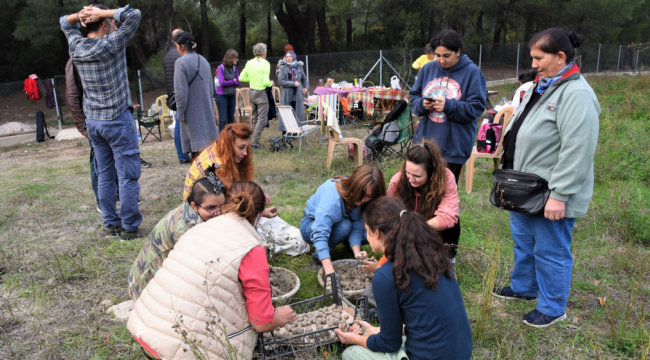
(496,61)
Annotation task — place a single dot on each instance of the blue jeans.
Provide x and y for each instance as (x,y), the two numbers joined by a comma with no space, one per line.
(543,261)
(117,153)
(226,107)
(177,141)
(93,174)
(340,232)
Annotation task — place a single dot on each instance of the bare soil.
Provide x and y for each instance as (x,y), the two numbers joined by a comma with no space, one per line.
(352,278)
(279,284)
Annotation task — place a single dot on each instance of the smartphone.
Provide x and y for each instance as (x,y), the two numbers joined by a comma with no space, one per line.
(504,99)
(430,99)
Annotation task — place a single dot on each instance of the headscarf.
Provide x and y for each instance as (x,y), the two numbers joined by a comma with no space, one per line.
(546,82)
(293,66)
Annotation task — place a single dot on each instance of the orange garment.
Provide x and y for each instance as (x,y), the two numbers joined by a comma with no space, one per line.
(31,88)
(383,260)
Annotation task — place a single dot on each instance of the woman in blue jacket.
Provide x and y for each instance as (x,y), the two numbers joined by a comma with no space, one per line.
(334,213)
(449,94)
(419,301)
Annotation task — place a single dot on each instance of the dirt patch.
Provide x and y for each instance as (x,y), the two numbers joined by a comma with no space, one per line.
(323,318)
(280,285)
(352,278)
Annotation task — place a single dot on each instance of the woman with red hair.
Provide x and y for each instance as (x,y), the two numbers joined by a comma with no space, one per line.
(231,155)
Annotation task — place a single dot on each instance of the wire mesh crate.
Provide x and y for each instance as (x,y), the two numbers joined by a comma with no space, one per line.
(274,348)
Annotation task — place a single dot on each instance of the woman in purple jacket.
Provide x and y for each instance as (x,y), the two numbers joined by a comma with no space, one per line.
(227,79)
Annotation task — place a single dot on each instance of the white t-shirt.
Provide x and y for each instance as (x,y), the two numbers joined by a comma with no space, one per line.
(519,94)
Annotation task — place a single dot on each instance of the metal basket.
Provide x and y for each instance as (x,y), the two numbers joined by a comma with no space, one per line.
(282,347)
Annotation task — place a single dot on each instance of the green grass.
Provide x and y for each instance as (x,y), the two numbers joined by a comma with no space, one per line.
(46,315)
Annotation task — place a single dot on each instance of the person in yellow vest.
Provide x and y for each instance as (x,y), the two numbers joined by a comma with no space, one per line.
(424,59)
(212,295)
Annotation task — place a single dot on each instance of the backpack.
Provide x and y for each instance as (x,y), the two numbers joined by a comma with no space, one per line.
(489,135)
(41,127)
(279,143)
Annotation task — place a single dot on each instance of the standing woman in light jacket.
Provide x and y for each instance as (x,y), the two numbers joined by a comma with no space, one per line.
(334,214)
(193,101)
(228,76)
(213,287)
(457,89)
(294,85)
(553,135)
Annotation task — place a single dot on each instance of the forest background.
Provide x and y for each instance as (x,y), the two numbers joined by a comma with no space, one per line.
(33,42)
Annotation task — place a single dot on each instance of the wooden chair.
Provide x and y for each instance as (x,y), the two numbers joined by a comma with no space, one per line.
(163,110)
(287,115)
(507,113)
(333,139)
(276,95)
(244,105)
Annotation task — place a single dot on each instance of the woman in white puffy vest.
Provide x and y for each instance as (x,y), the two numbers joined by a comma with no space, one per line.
(213,288)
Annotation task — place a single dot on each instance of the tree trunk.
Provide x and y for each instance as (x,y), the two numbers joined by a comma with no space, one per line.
(479,23)
(530,21)
(323,33)
(168,6)
(140,58)
(269,38)
(242,29)
(348,31)
(205,44)
(311,31)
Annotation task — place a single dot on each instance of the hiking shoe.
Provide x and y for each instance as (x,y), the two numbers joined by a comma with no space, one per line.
(186,161)
(508,294)
(130,235)
(113,231)
(538,320)
(144,163)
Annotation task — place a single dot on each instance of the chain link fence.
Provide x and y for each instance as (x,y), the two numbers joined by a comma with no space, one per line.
(376,67)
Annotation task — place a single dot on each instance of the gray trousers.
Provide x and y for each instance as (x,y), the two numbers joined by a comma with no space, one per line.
(259,116)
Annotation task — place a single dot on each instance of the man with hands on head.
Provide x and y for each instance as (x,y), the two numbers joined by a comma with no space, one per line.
(100,59)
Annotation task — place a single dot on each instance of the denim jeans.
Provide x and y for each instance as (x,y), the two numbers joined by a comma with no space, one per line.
(177,141)
(543,261)
(340,232)
(93,174)
(226,107)
(117,153)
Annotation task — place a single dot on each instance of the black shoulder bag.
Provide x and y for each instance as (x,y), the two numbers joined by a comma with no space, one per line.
(518,191)
(171,100)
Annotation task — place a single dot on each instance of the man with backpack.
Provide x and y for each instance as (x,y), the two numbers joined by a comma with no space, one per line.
(100,59)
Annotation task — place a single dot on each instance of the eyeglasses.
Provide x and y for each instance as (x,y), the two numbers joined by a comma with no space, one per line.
(212,210)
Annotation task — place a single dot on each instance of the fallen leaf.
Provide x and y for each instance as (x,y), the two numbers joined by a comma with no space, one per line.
(575,319)
(597,282)
(602,300)
(326,354)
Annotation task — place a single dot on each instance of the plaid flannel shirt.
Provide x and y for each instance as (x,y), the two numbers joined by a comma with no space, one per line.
(101,63)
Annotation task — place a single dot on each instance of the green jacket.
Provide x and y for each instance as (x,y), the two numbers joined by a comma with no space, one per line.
(160,242)
(256,73)
(558,139)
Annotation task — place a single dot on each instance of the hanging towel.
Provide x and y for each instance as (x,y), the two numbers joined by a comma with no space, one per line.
(332,119)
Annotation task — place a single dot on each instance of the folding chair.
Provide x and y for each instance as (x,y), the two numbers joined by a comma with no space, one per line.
(243,105)
(402,134)
(507,113)
(163,110)
(287,115)
(149,123)
(349,117)
(276,95)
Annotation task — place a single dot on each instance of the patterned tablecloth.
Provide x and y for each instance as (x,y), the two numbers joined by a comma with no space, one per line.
(320,90)
(383,100)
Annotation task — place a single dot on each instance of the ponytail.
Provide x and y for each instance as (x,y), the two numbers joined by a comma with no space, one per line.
(246,199)
(409,242)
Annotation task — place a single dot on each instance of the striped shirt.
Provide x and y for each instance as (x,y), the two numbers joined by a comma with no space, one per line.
(101,63)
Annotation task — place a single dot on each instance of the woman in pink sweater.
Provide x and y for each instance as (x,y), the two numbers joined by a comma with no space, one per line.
(427,187)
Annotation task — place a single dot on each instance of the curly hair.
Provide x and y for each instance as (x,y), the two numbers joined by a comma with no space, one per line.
(429,156)
(230,170)
(409,242)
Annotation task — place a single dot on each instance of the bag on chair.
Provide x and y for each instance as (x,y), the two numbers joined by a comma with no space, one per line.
(41,127)
(489,135)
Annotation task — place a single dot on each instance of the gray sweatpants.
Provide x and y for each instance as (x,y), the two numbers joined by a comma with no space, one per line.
(260,107)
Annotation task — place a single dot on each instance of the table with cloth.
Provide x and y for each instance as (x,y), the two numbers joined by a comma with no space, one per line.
(383,100)
(321,90)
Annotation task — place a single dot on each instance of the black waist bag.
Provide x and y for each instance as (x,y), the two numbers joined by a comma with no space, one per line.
(41,127)
(520,192)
